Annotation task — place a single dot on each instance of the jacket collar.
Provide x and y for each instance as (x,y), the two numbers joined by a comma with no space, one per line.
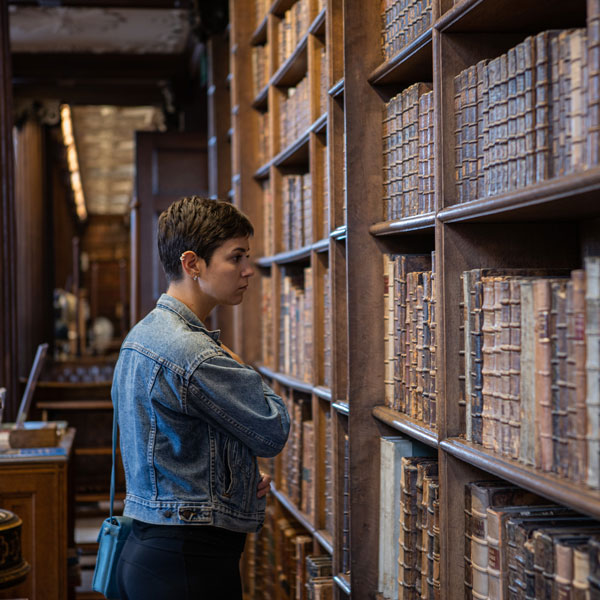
(179,308)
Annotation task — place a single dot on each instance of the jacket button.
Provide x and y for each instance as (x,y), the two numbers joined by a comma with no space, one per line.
(167,514)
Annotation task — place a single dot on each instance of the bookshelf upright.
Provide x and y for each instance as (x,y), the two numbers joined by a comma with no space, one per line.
(353,140)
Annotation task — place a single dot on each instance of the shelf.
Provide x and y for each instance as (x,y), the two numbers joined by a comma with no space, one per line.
(324,538)
(340,233)
(263,172)
(261,102)
(550,486)
(260,33)
(337,89)
(322,392)
(571,197)
(296,154)
(295,66)
(320,125)
(406,425)
(412,63)
(299,255)
(287,380)
(74,405)
(510,16)
(342,407)
(317,27)
(321,245)
(280,6)
(418,224)
(343,582)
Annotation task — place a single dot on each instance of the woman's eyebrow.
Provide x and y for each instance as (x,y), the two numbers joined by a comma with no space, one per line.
(240,249)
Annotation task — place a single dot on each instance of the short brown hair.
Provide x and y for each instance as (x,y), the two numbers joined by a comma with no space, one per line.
(198,224)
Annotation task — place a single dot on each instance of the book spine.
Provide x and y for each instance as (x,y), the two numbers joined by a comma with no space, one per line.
(578,99)
(593,65)
(502,373)
(542,107)
(459,133)
(514,373)
(489,390)
(576,361)
(527,377)
(559,380)
(592,365)
(477,359)
(543,376)
(482,109)
(465,356)
(512,113)
(469,138)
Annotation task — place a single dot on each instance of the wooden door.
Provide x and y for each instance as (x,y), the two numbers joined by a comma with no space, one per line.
(168,166)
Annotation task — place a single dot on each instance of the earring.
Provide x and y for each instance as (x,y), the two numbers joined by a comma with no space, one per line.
(195,277)
(182,256)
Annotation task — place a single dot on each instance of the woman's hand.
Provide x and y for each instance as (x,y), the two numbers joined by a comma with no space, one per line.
(264,485)
(232,354)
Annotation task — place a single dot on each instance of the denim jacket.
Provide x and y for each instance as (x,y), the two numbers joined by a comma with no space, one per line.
(192,422)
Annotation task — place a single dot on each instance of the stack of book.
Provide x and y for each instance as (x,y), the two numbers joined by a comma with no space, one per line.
(264,152)
(406,532)
(410,336)
(329,499)
(325,166)
(522,118)
(296,198)
(531,366)
(319,580)
(294,452)
(408,185)
(261,9)
(517,545)
(323,81)
(327,325)
(266,328)
(261,66)
(292,27)
(402,22)
(294,113)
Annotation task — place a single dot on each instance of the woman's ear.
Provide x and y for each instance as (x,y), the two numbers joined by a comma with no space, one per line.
(190,264)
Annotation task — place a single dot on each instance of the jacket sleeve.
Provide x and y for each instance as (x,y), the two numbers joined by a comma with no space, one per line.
(235,398)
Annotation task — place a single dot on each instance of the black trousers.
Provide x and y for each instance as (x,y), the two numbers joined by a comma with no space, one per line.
(162,563)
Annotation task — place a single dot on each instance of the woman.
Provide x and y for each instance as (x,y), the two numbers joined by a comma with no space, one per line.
(193,418)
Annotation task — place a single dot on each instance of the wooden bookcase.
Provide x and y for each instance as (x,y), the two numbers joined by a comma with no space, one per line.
(554,223)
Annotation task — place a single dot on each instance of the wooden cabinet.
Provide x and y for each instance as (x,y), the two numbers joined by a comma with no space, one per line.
(36,488)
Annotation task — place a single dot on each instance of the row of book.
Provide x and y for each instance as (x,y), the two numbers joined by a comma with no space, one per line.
(298,457)
(266,323)
(522,117)
(261,9)
(408,153)
(264,132)
(296,324)
(520,546)
(268,218)
(323,81)
(296,198)
(261,66)
(291,29)
(281,562)
(327,332)
(409,536)
(295,116)
(325,191)
(410,336)
(403,21)
(531,379)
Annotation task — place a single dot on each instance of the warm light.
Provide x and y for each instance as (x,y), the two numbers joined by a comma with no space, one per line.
(73,161)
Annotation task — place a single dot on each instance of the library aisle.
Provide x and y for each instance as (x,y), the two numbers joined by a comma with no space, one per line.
(421,175)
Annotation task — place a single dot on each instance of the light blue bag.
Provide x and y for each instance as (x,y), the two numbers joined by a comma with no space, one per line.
(111,538)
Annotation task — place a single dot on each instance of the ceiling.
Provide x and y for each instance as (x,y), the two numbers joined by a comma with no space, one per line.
(122,65)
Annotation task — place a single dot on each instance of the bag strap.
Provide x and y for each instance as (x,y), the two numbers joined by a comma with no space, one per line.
(114,451)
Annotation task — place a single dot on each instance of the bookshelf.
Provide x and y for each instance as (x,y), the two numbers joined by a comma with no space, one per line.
(329,358)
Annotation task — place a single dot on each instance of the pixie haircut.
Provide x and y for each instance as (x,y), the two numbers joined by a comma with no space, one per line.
(198,224)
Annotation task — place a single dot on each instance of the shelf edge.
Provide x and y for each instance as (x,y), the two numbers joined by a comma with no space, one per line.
(406,425)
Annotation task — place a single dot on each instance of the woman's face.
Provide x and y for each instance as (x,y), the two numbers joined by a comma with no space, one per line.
(225,278)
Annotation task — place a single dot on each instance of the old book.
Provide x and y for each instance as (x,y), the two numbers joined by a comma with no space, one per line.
(528,49)
(308,470)
(527,377)
(302,548)
(486,494)
(513,402)
(489,378)
(576,374)
(559,378)
(578,99)
(592,365)
(388,320)
(594,567)
(460,84)
(543,138)
(564,566)
(581,571)
(392,449)
(497,538)
(593,65)
(482,122)
(511,120)
(543,376)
